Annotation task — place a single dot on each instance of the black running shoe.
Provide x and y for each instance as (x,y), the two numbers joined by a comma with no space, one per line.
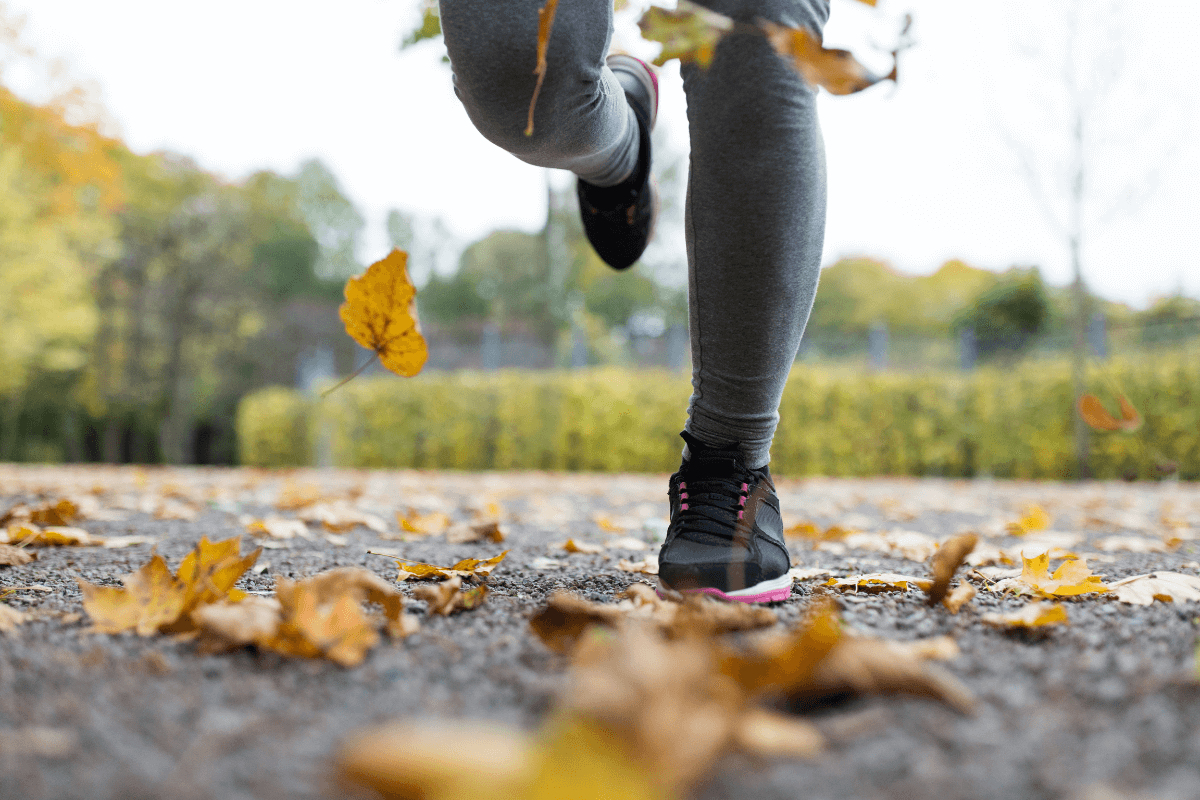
(618,220)
(726,533)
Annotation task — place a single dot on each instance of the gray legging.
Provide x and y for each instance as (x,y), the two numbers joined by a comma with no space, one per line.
(755,214)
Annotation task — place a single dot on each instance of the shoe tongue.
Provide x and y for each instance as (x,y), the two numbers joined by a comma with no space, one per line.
(710,462)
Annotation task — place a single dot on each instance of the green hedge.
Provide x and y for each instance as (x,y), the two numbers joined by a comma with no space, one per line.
(1014,422)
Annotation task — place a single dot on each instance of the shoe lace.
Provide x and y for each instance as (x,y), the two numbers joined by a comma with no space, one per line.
(719,504)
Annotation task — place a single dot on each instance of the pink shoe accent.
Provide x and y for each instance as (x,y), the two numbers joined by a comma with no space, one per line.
(745,487)
(742,500)
(769,596)
(683,506)
(743,511)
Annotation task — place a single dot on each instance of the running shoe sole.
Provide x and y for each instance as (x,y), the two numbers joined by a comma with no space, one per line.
(772,591)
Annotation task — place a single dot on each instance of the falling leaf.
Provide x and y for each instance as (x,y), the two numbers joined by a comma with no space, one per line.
(380,314)
(14,556)
(838,71)
(154,600)
(1033,615)
(878,582)
(278,528)
(946,561)
(962,594)
(467,568)
(1096,415)
(545,25)
(10,618)
(447,597)
(587,548)
(689,33)
(1034,518)
(646,566)
(1071,578)
(1167,587)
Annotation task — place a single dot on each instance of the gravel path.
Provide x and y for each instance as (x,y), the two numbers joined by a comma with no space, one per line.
(1106,707)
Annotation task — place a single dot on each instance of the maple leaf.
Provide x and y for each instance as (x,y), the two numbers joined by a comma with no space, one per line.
(689,33)
(467,568)
(153,600)
(1033,615)
(1071,578)
(1034,518)
(946,561)
(380,313)
(1096,415)
(1167,587)
(545,25)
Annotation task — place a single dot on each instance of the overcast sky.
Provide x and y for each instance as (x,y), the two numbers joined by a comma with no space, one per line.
(919,173)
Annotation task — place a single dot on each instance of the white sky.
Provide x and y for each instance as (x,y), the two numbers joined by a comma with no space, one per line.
(919,173)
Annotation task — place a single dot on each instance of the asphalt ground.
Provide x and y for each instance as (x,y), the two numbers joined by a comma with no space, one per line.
(1107,706)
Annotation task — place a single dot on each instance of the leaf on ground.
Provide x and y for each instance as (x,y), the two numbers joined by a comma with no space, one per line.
(1033,615)
(838,71)
(380,313)
(490,531)
(911,545)
(10,618)
(447,597)
(807,573)
(278,528)
(962,594)
(1071,578)
(1033,518)
(689,33)
(1167,587)
(58,514)
(627,543)
(1135,544)
(646,566)
(31,535)
(341,517)
(769,734)
(586,548)
(120,542)
(1096,415)
(14,556)
(812,531)
(936,648)
(878,582)
(467,568)
(153,600)
(946,561)
(545,26)
(423,524)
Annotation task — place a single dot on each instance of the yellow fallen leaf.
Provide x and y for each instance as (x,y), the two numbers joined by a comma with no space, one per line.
(278,528)
(946,561)
(424,524)
(447,597)
(30,535)
(606,524)
(810,530)
(587,548)
(1034,518)
(1166,587)
(58,514)
(489,531)
(380,313)
(878,582)
(1033,615)
(962,594)
(1071,578)
(467,568)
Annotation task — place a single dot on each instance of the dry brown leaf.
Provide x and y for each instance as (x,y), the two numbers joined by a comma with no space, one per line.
(30,535)
(447,597)
(1071,578)
(769,734)
(946,561)
(58,514)
(962,594)
(1096,415)
(380,313)
(646,566)
(810,530)
(119,542)
(1033,615)
(14,556)
(545,25)
(838,71)
(10,618)
(586,548)
(689,32)
(878,582)
(911,545)
(807,573)
(1136,544)
(294,498)
(423,524)
(340,517)
(1166,587)
(489,531)
(467,568)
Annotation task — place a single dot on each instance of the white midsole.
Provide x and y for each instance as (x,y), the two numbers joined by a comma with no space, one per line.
(782,582)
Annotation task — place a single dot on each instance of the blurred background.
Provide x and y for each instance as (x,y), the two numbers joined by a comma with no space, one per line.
(185,189)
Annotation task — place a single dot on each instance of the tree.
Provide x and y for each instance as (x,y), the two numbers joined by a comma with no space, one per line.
(1007,317)
(331,218)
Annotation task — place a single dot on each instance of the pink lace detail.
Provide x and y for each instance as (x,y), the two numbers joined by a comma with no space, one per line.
(740,513)
(683,506)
